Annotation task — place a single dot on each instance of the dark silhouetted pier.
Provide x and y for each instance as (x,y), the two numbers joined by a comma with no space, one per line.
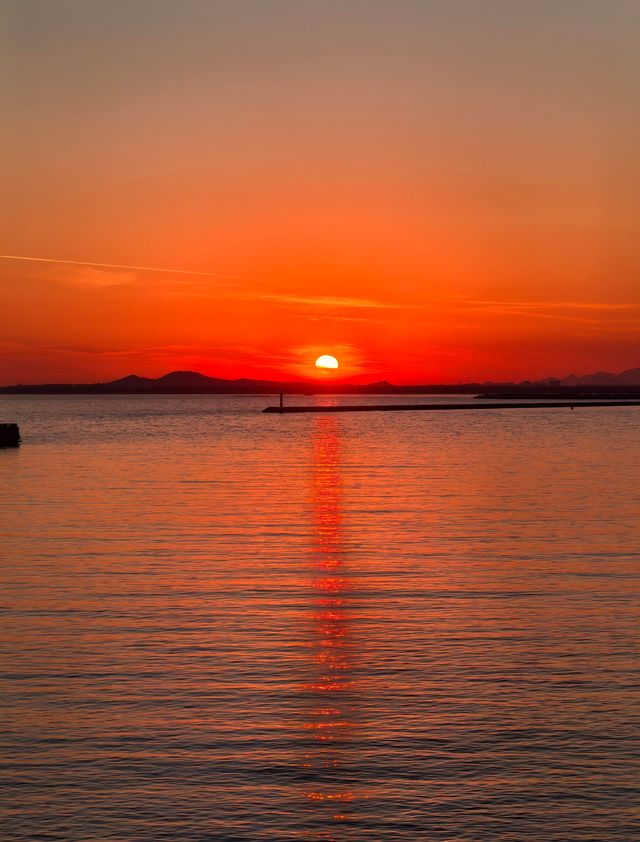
(445,407)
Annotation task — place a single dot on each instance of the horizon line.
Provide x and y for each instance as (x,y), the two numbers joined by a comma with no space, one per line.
(337,381)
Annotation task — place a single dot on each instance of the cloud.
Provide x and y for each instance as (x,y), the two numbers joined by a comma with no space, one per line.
(93,275)
(118,266)
(91,278)
(545,305)
(327,301)
(582,312)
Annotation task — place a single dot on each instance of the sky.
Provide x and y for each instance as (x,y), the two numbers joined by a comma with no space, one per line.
(430,190)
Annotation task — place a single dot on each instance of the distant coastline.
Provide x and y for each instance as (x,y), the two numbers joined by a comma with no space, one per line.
(600,385)
(194,383)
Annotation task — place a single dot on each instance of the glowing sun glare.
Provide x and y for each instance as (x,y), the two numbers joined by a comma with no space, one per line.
(326,361)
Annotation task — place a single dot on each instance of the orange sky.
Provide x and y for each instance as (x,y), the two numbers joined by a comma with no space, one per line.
(432,191)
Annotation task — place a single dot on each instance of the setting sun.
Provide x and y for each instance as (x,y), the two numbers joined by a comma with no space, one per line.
(327,361)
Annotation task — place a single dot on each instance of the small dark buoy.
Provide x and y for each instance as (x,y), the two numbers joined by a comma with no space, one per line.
(9,435)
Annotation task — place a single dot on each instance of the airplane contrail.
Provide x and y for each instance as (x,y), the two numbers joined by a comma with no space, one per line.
(122,266)
(255,294)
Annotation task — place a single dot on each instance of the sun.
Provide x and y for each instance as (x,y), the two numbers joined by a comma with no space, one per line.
(327,361)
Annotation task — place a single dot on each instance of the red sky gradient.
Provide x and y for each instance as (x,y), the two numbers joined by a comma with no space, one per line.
(430,191)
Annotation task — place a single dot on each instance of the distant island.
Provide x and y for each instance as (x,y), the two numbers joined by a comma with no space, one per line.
(602,384)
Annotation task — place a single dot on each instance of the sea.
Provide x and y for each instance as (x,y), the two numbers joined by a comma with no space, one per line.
(224,625)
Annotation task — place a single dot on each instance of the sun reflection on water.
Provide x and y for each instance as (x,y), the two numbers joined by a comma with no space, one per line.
(330,709)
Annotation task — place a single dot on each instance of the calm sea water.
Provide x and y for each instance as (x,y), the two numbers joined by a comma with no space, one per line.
(220,625)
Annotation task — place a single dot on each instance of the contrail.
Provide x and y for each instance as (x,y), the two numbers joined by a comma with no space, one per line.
(122,266)
(285,298)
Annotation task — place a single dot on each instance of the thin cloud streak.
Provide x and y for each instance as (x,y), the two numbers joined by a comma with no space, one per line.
(328,301)
(601,314)
(102,280)
(123,266)
(544,305)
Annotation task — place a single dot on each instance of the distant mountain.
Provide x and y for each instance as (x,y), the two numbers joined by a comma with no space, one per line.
(601,385)
(131,381)
(194,383)
(630,377)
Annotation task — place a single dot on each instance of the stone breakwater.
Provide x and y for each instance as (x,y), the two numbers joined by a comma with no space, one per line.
(446,407)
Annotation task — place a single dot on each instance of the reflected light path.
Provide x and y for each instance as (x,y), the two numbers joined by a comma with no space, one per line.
(330,708)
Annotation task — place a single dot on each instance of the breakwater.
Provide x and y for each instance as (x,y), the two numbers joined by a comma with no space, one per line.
(445,407)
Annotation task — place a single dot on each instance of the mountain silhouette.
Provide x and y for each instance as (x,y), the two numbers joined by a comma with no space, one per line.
(194,383)
(630,377)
